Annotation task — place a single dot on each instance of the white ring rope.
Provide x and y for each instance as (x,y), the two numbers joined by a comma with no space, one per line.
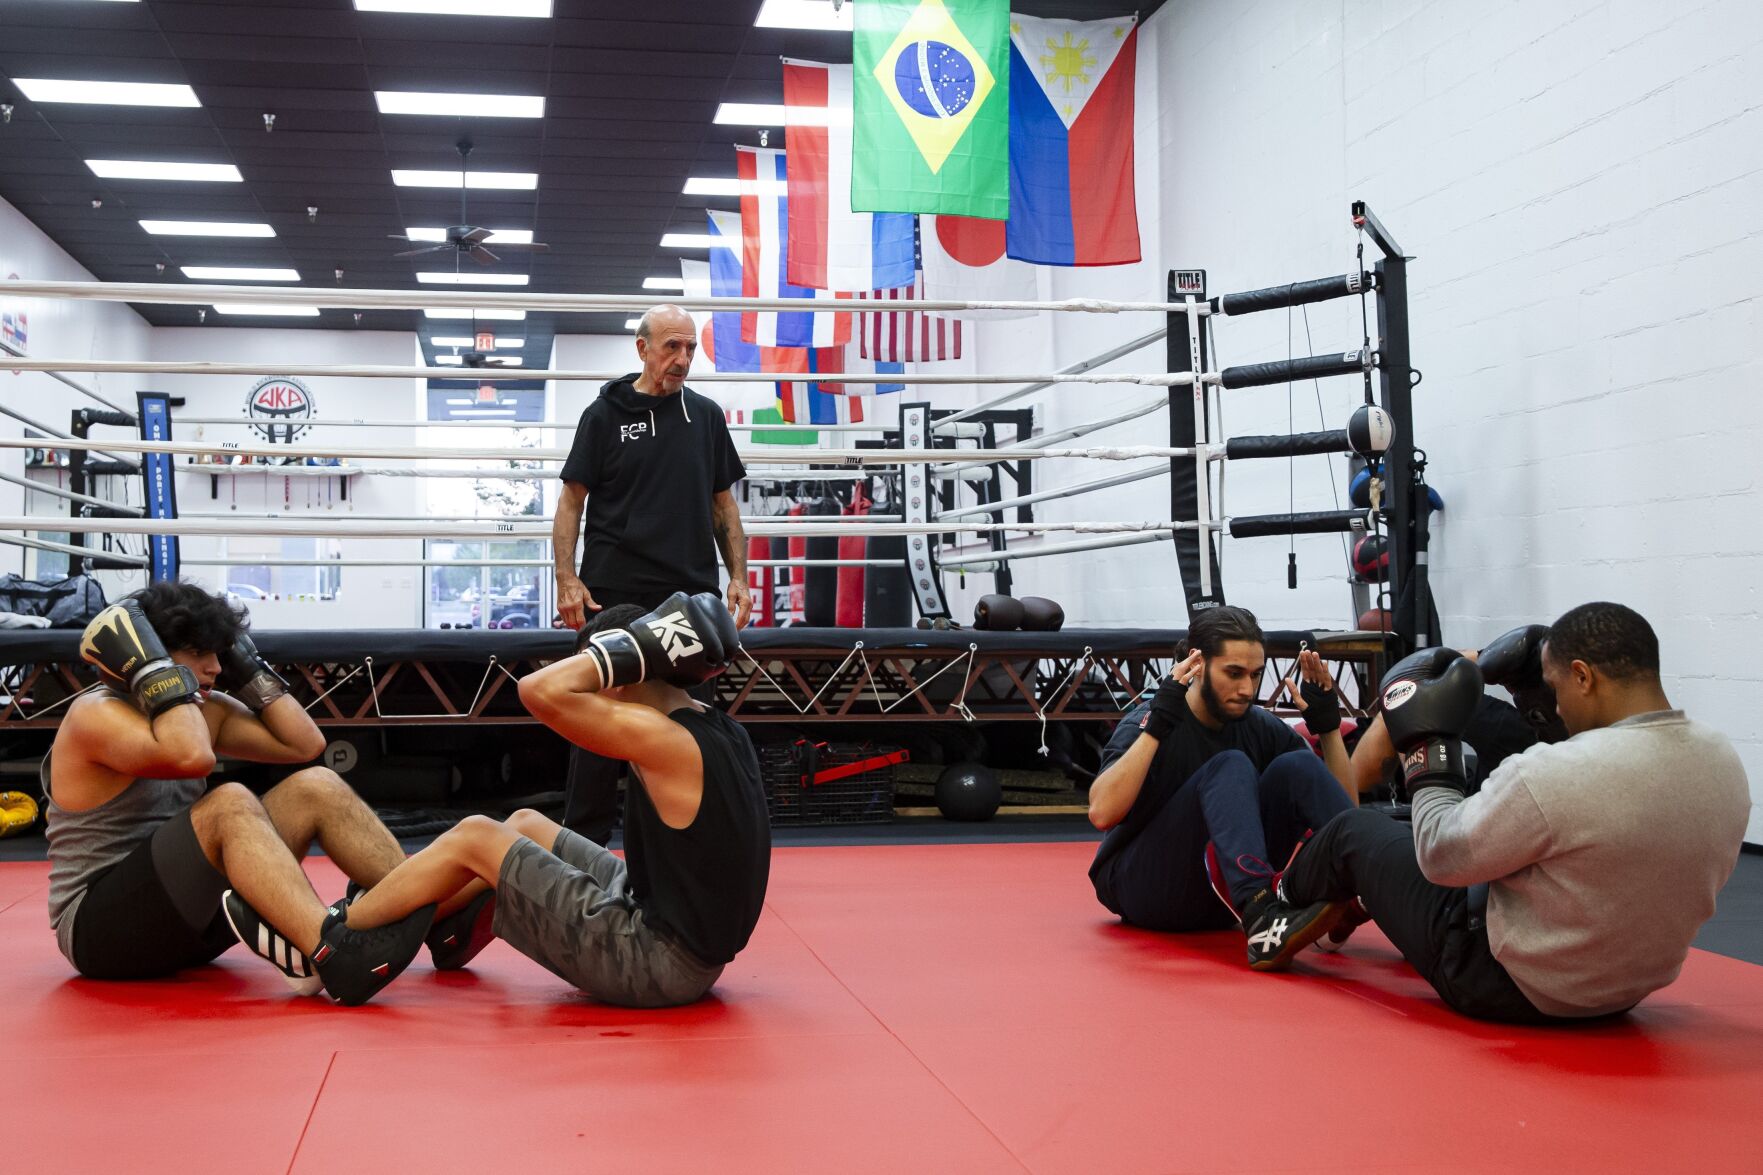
(162,294)
(479,374)
(514,425)
(333,527)
(774,454)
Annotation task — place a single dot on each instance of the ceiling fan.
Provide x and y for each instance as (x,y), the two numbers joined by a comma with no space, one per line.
(465,239)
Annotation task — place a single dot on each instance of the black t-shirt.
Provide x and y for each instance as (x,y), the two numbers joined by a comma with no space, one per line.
(705,883)
(651,465)
(1259,735)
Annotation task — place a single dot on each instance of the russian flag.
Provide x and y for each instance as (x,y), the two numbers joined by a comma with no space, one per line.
(765,215)
(1071,125)
(830,246)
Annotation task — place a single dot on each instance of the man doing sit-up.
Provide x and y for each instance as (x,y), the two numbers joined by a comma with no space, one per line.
(654,929)
(149,863)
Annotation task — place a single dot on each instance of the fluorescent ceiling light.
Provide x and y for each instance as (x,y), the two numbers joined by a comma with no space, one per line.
(141,169)
(460,105)
(699,185)
(459,7)
(677,284)
(459,361)
(107,93)
(489,315)
(206,228)
(471,279)
(267,309)
(687,241)
(631,323)
(485,412)
(460,400)
(238,273)
(776,114)
(499,236)
(524,181)
(804,14)
(468,341)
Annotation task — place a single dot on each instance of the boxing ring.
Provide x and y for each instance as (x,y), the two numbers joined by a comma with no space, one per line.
(954,496)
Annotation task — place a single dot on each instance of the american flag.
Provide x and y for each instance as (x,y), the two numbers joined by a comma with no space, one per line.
(906,336)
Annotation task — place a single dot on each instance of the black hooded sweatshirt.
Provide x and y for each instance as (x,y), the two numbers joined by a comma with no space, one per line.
(651,465)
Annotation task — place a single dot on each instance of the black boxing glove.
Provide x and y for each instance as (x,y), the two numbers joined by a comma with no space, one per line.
(1322,709)
(245,675)
(1428,701)
(1167,705)
(130,656)
(684,642)
(1515,661)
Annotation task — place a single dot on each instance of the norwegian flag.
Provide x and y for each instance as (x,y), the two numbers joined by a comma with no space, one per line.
(906,336)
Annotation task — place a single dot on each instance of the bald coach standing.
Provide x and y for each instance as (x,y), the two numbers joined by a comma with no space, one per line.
(654,468)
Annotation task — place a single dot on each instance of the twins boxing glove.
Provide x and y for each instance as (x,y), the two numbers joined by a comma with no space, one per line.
(1515,660)
(687,640)
(1428,700)
(130,656)
(247,676)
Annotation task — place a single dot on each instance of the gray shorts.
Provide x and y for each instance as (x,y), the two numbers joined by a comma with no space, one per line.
(571,910)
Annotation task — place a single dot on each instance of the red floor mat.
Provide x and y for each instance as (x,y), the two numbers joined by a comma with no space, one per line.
(901,1008)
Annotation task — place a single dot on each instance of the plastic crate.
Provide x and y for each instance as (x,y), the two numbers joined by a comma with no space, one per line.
(808,783)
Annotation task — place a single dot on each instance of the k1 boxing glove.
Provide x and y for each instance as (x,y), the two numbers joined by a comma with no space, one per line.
(1515,660)
(687,640)
(1428,701)
(130,656)
(248,677)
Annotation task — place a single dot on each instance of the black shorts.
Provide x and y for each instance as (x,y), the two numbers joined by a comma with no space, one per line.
(154,912)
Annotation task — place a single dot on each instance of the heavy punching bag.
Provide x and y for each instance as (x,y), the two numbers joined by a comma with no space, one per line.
(820,604)
(887,589)
(850,610)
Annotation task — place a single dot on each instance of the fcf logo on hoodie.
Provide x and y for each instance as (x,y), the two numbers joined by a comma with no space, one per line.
(632,432)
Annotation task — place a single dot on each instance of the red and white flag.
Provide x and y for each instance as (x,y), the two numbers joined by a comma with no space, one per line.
(963,260)
(906,336)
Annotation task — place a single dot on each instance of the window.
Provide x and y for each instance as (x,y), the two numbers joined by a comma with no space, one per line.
(292,568)
(497,583)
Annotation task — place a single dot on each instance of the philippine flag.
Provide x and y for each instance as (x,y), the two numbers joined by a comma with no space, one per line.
(1071,127)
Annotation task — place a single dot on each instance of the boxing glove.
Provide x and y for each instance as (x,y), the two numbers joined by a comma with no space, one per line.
(997,614)
(248,677)
(1515,660)
(129,656)
(687,640)
(1428,701)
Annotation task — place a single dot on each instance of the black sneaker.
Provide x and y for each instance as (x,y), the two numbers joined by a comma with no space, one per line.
(356,964)
(266,942)
(457,938)
(1352,919)
(1278,930)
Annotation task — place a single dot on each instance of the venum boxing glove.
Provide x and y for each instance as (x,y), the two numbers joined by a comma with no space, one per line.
(1515,660)
(245,675)
(129,656)
(1428,701)
(687,640)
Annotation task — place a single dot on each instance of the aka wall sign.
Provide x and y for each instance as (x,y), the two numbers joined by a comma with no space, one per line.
(279,408)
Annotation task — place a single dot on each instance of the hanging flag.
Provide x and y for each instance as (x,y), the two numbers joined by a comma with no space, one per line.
(831,247)
(906,336)
(1071,125)
(696,278)
(729,350)
(931,100)
(765,215)
(857,364)
(811,402)
(771,415)
(964,261)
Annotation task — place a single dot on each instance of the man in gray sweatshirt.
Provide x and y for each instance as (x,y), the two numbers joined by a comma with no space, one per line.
(1598,857)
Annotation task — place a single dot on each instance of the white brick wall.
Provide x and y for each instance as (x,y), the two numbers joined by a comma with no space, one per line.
(1581,182)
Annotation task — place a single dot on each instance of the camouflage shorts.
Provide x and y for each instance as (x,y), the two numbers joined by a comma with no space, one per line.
(571,910)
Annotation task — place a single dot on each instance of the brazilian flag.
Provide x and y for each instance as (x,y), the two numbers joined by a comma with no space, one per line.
(931,98)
